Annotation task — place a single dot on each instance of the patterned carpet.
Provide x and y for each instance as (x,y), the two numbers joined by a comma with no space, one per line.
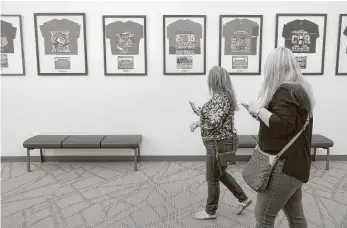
(160,194)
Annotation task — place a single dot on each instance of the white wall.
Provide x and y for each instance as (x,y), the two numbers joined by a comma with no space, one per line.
(155,106)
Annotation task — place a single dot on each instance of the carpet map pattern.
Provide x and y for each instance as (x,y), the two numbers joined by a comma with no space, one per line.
(159,195)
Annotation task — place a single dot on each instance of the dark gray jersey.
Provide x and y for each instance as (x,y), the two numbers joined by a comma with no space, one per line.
(184,37)
(8,34)
(240,37)
(60,37)
(301,36)
(124,37)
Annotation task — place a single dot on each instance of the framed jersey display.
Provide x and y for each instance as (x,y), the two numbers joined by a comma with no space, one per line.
(341,58)
(125,45)
(240,44)
(61,46)
(304,35)
(184,44)
(12,53)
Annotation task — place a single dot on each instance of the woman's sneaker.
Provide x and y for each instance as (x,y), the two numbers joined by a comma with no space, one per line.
(202,215)
(243,206)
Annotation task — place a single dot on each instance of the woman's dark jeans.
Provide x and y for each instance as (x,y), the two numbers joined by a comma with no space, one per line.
(213,175)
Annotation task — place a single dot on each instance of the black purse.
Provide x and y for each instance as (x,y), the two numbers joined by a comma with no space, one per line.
(226,158)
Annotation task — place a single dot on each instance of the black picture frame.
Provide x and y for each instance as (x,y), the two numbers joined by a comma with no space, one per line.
(104,17)
(83,15)
(164,44)
(22,44)
(305,15)
(260,43)
(338,45)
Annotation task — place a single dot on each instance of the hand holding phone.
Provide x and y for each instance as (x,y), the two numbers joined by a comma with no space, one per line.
(246,107)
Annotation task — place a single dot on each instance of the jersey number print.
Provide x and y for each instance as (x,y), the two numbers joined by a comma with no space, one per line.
(184,37)
(185,43)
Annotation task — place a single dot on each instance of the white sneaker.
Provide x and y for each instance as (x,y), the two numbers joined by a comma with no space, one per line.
(242,206)
(202,215)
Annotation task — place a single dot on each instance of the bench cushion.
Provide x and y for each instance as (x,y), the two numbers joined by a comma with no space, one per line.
(83,141)
(246,141)
(121,141)
(318,141)
(45,141)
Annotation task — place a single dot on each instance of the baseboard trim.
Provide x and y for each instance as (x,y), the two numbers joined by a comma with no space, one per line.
(143,158)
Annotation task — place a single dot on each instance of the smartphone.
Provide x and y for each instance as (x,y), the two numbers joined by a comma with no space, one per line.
(245,105)
(195,110)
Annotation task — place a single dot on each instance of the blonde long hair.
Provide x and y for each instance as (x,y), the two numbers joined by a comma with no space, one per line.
(282,67)
(219,82)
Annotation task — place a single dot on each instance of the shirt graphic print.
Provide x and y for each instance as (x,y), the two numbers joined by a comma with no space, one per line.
(301,36)
(124,37)
(240,37)
(4,61)
(8,34)
(184,37)
(302,60)
(60,37)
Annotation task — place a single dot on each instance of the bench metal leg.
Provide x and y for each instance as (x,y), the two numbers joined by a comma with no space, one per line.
(138,154)
(314,154)
(135,158)
(327,159)
(28,160)
(41,155)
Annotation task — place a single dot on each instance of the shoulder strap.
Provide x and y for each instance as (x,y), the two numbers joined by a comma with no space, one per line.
(294,138)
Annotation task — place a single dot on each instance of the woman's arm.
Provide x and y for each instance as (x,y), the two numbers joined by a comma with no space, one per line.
(283,117)
(264,115)
(214,113)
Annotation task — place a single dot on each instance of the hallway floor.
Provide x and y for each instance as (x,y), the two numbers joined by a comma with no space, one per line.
(159,195)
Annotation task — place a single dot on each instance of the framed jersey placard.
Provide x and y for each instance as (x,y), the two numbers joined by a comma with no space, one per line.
(341,58)
(184,43)
(304,35)
(12,53)
(125,45)
(61,46)
(240,44)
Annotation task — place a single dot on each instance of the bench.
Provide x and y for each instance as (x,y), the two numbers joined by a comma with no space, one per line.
(83,142)
(318,141)
(134,142)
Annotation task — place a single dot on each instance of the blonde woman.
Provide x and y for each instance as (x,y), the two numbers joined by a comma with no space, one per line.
(216,123)
(284,103)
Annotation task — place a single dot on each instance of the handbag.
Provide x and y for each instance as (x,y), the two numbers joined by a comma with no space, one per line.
(226,158)
(259,168)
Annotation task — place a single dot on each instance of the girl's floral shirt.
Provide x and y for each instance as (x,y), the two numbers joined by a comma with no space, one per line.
(216,118)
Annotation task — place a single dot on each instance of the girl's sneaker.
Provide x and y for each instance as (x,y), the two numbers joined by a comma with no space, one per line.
(243,206)
(202,215)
